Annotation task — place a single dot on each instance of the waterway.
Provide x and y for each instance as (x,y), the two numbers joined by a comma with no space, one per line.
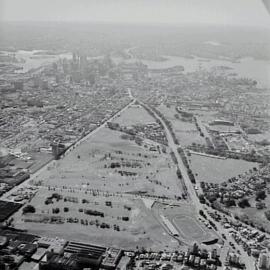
(28,60)
(258,70)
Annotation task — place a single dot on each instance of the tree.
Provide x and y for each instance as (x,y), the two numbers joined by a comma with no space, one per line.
(260,195)
(244,203)
(267,214)
(230,203)
(56,210)
(202,214)
(202,199)
(29,209)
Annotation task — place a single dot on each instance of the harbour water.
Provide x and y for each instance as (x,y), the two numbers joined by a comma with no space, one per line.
(258,70)
(28,60)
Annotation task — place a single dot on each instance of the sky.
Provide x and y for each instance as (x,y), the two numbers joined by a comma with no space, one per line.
(227,12)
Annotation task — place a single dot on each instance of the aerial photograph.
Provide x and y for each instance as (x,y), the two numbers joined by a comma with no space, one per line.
(135,134)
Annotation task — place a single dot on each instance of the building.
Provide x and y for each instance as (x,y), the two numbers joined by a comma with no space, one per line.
(112,258)
(18,85)
(53,261)
(263,261)
(214,254)
(58,149)
(169,226)
(221,122)
(195,249)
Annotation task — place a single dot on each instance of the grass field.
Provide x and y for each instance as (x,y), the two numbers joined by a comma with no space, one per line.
(91,166)
(186,132)
(255,215)
(134,115)
(186,221)
(216,170)
(141,230)
(189,227)
(106,167)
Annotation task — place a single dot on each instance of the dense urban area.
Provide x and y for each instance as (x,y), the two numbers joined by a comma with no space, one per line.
(111,158)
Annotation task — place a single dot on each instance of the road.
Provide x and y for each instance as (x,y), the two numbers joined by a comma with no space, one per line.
(190,188)
(174,147)
(204,130)
(245,258)
(249,261)
(51,163)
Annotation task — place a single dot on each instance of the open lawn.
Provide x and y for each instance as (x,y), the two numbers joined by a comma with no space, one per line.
(109,228)
(108,162)
(134,115)
(186,132)
(214,170)
(255,215)
(101,184)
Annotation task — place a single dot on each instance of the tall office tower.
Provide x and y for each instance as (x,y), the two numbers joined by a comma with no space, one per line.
(74,57)
(195,249)
(57,149)
(18,85)
(263,261)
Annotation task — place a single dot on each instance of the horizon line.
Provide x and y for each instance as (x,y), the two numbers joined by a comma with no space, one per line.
(139,23)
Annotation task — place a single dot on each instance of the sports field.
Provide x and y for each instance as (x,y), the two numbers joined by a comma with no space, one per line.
(216,170)
(189,227)
(186,132)
(185,220)
(134,115)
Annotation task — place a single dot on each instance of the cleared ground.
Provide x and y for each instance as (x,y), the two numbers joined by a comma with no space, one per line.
(105,168)
(186,132)
(141,229)
(134,115)
(108,162)
(214,170)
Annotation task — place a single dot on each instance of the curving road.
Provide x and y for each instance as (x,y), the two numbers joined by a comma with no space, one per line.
(174,147)
(249,261)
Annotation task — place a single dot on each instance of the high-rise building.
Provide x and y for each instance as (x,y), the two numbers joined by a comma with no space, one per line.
(214,254)
(58,149)
(195,249)
(36,82)
(263,261)
(18,85)
(44,85)
(74,57)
